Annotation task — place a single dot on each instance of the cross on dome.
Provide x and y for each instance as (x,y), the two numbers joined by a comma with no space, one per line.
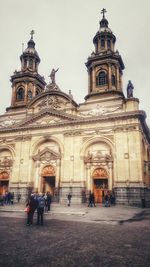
(103,12)
(31,33)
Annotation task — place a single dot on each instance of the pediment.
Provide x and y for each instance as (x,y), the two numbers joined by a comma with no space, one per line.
(51,99)
(46,155)
(47,117)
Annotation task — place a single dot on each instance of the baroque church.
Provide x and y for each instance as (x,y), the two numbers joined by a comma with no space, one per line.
(48,142)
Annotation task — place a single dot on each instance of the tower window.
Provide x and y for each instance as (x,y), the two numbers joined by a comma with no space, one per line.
(102,43)
(113,80)
(31,63)
(108,43)
(29,95)
(25,63)
(20,94)
(101,79)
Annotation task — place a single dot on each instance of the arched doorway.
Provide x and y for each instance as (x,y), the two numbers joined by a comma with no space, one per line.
(4,182)
(48,179)
(100,184)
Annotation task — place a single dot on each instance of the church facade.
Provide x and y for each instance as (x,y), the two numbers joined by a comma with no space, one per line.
(48,142)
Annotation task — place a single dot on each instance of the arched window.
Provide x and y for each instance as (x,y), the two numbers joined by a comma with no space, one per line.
(102,43)
(113,80)
(101,79)
(20,94)
(108,43)
(25,63)
(31,63)
(29,95)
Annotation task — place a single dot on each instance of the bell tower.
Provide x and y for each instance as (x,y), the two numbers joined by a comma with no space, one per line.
(105,65)
(27,83)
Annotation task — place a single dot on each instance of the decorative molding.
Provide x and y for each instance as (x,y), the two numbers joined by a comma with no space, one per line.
(46,155)
(6,162)
(99,110)
(54,102)
(99,157)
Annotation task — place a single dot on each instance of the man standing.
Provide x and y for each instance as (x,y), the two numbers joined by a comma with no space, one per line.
(48,200)
(40,209)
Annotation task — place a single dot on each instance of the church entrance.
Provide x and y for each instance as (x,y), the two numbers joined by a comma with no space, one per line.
(49,184)
(49,180)
(4,182)
(100,184)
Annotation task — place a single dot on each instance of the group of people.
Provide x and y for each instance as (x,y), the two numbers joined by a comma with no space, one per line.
(109,199)
(7,198)
(40,202)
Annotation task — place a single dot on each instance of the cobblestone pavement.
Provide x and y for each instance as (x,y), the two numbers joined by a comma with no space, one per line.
(76,237)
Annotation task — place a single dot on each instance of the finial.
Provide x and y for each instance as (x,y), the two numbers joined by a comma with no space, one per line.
(103,12)
(31,33)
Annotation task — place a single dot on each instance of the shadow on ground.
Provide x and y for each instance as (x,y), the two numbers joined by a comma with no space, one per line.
(143,215)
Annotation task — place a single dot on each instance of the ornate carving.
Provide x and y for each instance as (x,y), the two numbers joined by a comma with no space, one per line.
(48,171)
(99,110)
(98,157)
(72,133)
(46,155)
(7,122)
(6,162)
(100,173)
(54,102)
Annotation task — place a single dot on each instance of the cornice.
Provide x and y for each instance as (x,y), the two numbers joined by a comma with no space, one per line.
(75,120)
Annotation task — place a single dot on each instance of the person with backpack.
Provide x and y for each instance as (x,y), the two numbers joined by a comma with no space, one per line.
(40,209)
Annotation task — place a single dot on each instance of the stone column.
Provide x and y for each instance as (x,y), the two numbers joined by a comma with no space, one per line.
(110,176)
(109,77)
(36,184)
(117,78)
(57,173)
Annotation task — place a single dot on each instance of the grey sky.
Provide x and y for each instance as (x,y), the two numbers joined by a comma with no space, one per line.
(64,30)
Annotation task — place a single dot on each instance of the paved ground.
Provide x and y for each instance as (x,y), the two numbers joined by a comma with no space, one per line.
(76,236)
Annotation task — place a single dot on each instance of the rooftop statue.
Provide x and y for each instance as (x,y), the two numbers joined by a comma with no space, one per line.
(130,88)
(52,75)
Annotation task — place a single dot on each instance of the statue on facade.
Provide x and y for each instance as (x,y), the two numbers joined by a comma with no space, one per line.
(130,88)
(52,75)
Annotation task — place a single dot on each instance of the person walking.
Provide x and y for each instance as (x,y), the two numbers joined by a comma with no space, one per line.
(40,209)
(69,199)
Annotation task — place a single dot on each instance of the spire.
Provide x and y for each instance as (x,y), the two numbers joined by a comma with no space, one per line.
(104,22)
(104,40)
(105,65)
(30,58)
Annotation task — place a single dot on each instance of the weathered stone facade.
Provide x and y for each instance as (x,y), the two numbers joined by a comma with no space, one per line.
(48,142)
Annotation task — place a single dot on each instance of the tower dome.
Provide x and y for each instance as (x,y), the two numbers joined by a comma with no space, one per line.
(30,58)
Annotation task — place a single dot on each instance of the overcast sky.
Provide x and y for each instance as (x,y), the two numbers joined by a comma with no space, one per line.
(64,30)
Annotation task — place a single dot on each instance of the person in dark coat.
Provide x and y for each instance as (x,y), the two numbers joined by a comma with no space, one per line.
(107,204)
(48,201)
(40,209)
(69,199)
(31,206)
(91,200)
